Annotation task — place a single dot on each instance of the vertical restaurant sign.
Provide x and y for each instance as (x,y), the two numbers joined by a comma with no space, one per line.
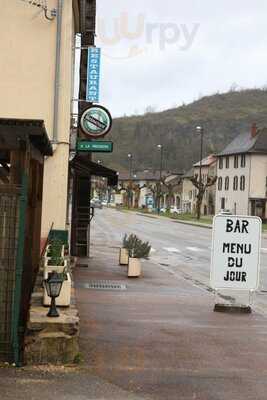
(93,75)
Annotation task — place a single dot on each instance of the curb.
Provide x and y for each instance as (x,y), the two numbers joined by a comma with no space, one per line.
(207,226)
(177,221)
(147,215)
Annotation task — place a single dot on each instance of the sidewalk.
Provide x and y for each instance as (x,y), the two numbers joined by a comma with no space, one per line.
(160,337)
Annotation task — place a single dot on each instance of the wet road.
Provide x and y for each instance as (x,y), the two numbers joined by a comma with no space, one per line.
(183,250)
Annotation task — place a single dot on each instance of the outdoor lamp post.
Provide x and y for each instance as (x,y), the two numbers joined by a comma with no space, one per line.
(130,157)
(200,131)
(160,148)
(53,285)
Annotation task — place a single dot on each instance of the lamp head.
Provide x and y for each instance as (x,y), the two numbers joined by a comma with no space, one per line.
(53,284)
(199,129)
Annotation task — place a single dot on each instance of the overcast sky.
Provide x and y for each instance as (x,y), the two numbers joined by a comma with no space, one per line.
(165,53)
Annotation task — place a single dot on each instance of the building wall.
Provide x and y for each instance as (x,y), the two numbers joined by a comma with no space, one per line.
(235,201)
(27,70)
(258,176)
(187,195)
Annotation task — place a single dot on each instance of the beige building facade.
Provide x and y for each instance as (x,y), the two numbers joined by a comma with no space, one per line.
(36,83)
(242,175)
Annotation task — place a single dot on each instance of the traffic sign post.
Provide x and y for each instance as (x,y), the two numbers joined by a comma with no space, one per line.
(235,260)
(95,146)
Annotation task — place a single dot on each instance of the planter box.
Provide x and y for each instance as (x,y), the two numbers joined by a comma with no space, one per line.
(65,294)
(48,248)
(51,268)
(134,267)
(124,256)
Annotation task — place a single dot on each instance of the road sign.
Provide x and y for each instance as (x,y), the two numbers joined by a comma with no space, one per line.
(235,260)
(95,146)
(96,121)
(93,74)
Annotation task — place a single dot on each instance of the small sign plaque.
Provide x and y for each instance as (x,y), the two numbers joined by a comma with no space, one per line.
(95,146)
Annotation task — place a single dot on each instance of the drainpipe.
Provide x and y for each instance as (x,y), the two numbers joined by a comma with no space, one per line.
(57,71)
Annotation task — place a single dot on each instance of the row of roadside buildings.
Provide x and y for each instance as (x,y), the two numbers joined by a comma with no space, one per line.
(241,185)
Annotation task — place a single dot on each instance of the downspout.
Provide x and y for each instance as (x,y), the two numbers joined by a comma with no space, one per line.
(57,71)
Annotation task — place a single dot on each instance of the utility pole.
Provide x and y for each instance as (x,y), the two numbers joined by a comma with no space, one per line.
(130,157)
(200,131)
(160,147)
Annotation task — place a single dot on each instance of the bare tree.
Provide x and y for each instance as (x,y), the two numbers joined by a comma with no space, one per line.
(131,190)
(201,186)
(157,192)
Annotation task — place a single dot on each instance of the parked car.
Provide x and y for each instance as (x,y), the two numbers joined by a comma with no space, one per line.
(175,210)
(225,212)
(96,203)
(104,203)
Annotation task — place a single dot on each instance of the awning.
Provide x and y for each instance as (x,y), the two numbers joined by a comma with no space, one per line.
(84,167)
(13,132)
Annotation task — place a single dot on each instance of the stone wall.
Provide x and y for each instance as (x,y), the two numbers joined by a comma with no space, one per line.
(51,340)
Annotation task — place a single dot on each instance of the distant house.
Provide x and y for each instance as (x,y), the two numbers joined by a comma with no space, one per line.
(144,188)
(242,174)
(189,191)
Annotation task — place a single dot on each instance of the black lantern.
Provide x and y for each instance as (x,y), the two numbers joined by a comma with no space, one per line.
(53,287)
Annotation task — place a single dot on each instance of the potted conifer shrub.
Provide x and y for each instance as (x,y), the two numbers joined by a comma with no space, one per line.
(136,253)
(127,244)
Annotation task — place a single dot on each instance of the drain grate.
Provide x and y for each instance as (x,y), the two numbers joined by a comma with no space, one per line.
(102,285)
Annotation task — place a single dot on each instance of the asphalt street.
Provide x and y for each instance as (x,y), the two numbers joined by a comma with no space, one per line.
(183,250)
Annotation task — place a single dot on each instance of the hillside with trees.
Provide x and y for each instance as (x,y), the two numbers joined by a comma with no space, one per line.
(223,116)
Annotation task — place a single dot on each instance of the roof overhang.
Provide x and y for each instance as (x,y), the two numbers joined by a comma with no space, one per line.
(15,132)
(86,168)
(76,13)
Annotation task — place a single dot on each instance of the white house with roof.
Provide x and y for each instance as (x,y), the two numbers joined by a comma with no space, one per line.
(242,174)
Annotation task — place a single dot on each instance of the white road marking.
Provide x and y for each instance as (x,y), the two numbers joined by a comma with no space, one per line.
(195,249)
(171,249)
(264,250)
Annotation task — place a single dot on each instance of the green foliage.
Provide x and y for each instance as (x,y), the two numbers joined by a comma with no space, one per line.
(55,253)
(136,247)
(78,359)
(129,242)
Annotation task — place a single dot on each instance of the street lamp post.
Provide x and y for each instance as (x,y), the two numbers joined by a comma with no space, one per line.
(130,157)
(160,147)
(200,131)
